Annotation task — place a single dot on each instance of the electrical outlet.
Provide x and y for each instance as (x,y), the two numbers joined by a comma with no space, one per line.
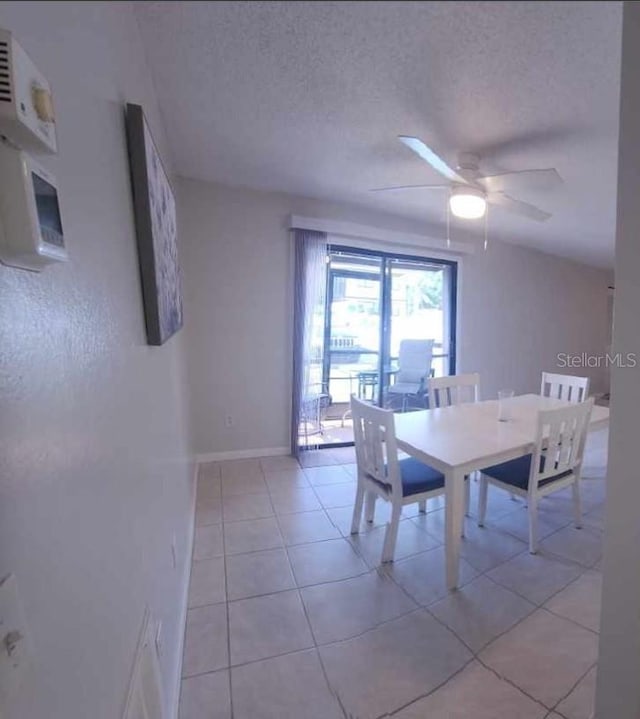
(228,421)
(174,551)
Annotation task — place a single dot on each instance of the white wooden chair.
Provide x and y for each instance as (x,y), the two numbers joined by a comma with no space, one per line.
(454,389)
(554,464)
(564,386)
(414,366)
(381,474)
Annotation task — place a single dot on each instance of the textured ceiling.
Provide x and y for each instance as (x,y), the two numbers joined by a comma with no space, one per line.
(308,98)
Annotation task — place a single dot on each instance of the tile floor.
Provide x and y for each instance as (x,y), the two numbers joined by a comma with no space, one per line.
(292,618)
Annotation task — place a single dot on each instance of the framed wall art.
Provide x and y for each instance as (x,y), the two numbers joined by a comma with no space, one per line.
(156,231)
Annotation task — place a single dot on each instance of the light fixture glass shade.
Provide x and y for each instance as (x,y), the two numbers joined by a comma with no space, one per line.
(467,203)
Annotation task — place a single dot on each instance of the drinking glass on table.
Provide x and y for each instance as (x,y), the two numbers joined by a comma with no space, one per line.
(504,408)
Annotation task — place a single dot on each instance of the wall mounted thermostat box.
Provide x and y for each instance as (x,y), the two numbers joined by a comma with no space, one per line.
(26,107)
(31,234)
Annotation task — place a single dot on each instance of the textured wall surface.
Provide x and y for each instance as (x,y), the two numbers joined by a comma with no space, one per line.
(95,477)
(517,309)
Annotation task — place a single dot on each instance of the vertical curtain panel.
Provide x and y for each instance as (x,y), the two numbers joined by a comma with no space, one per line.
(310,285)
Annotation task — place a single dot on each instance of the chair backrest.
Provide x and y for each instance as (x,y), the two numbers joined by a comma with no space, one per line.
(414,360)
(565,386)
(454,389)
(374,434)
(560,439)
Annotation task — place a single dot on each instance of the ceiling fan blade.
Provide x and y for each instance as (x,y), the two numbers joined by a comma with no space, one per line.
(409,187)
(428,155)
(516,207)
(522,180)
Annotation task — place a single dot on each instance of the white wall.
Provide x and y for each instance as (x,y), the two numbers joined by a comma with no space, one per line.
(618,691)
(517,309)
(95,475)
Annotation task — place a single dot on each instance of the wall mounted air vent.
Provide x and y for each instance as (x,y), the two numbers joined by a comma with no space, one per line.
(26,107)
(5,77)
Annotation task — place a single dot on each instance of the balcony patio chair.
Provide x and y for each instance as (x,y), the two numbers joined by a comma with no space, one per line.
(312,408)
(414,367)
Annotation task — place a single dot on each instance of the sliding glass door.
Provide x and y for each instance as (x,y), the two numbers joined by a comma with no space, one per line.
(420,308)
(353,333)
(374,301)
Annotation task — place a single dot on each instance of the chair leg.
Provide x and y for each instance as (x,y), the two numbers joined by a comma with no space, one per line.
(357,510)
(577,504)
(391,535)
(533,525)
(467,496)
(370,506)
(422,506)
(482,503)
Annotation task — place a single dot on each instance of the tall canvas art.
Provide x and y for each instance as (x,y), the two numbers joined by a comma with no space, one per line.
(156,231)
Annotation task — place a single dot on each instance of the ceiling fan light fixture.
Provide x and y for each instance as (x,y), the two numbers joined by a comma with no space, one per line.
(467,203)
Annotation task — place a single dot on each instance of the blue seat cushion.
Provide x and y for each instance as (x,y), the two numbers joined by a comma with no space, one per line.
(418,477)
(515,472)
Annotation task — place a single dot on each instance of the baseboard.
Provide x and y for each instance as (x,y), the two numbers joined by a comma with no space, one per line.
(145,684)
(175,704)
(243,454)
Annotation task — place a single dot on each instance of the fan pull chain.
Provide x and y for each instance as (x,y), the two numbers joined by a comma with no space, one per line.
(486,223)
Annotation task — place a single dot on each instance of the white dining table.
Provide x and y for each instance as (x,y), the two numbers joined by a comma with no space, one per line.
(463,438)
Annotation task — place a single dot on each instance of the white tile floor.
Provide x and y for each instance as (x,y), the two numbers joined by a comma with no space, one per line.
(292,618)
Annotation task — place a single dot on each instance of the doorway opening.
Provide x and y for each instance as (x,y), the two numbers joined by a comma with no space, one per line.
(376,302)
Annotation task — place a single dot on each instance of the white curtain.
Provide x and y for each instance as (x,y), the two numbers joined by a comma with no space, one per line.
(309,394)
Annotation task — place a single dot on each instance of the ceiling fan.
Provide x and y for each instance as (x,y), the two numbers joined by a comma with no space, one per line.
(470,192)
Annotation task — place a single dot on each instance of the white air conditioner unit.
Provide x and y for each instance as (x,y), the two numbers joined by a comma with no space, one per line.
(27,120)
(31,234)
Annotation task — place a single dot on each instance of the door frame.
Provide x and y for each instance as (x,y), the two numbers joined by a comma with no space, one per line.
(384,277)
(386,290)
